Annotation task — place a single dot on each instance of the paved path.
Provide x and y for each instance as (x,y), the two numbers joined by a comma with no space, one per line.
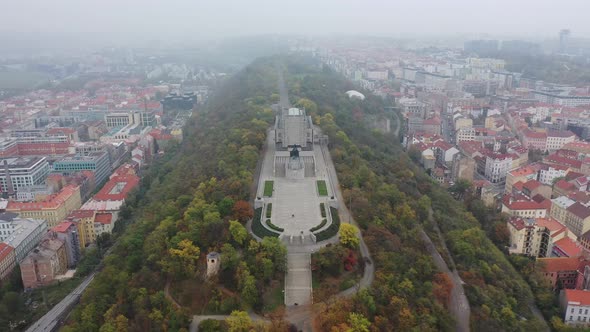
(52,319)
(459,305)
(298,279)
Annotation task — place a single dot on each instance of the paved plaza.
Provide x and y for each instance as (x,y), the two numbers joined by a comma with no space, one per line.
(296,205)
(298,280)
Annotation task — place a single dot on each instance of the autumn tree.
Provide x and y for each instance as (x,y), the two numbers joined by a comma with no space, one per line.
(442,288)
(185,257)
(242,211)
(349,235)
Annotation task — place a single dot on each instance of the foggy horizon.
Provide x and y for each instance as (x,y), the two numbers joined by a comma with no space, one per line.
(132,22)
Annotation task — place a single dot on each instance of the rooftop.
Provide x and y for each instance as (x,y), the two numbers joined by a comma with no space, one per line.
(103,218)
(554,264)
(117,188)
(52,202)
(575,296)
(5,250)
(568,246)
(20,162)
(579,210)
(27,226)
(62,227)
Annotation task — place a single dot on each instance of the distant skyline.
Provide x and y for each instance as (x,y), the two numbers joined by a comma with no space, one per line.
(119,22)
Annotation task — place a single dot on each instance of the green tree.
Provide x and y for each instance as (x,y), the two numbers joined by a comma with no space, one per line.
(238,232)
(349,235)
(358,323)
(229,257)
(239,321)
(249,293)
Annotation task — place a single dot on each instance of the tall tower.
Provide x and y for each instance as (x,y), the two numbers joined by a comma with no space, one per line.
(564,36)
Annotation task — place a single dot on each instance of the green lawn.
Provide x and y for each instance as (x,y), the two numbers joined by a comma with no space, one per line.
(322,188)
(268,188)
(258,228)
(273,297)
(332,229)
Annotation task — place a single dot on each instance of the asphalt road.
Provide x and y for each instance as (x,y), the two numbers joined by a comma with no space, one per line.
(52,319)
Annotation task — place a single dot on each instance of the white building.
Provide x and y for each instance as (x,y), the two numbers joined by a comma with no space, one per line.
(23,171)
(465,134)
(412,108)
(557,139)
(546,176)
(497,166)
(576,306)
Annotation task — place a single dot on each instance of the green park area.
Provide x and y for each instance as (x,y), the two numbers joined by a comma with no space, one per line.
(322,188)
(268,188)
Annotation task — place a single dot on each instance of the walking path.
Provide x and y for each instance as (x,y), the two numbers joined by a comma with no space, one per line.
(458,303)
(51,320)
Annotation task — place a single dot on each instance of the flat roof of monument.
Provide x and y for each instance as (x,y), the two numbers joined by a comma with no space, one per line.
(295,111)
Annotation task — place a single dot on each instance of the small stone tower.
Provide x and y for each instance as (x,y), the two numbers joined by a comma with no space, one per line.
(213,263)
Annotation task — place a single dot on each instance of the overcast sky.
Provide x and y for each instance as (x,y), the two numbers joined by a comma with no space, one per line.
(140,20)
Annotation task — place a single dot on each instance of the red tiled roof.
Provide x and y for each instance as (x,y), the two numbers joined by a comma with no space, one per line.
(523,171)
(564,161)
(577,296)
(51,202)
(564,185)
(569,247)
(79,214)
(117,188)
(521,203)
(534,134)
(556,264)
(532,185)
(62,227)
(104,218)
(5,250)
(580,196)
(579,210)
(551,224)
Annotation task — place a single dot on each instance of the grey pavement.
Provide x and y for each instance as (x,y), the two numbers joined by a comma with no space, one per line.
(52,319)
(459,305)
(298,289)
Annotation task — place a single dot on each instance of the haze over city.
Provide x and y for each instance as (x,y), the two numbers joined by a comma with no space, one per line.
(294,166)
(112,22)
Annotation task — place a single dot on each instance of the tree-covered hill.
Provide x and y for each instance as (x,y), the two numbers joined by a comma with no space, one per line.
(390,199)
(197,203)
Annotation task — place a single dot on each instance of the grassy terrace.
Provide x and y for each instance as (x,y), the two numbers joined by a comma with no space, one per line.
(333,229)
(318,227)
(273,226)
(322,188)
(268,188)
(258,228)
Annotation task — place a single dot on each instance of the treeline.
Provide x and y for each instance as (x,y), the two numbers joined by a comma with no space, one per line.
(196,204)
(408,292)
(390,199)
